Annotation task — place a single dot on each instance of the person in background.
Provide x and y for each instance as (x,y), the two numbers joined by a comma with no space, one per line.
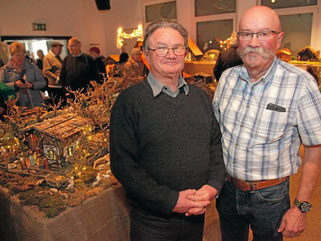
(52,64)
(139,44)
(165,144)
(95,53)
(1,63)
(23,76)
(78,68)
(5,93)
(227,58)
(109,63)
(29,56)
(311,71)
(39,61)
(118,68)
(266,108)
(133,70)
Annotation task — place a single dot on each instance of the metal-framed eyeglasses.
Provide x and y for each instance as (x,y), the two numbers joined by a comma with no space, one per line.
(261,36)
(163,51)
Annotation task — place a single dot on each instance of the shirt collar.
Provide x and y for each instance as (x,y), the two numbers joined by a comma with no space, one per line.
(267,76)
(52,53)
(157,86)
(81,53)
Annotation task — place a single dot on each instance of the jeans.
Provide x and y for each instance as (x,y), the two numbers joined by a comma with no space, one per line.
(262,210)
(148,227)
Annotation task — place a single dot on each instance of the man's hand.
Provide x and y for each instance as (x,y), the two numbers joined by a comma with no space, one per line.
(183,204)
(205,193)
(293,223)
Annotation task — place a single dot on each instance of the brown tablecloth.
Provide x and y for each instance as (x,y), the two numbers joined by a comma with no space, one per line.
(103,217)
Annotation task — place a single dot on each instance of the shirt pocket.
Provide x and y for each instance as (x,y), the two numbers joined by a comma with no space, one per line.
(271,126)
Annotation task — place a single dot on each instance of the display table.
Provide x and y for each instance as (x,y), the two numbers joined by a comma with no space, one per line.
(103,217)
(304,64)
(194,67)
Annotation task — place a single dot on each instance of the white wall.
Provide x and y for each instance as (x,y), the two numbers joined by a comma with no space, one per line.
(82,19)
(17,16)
(124,13)
(78,18)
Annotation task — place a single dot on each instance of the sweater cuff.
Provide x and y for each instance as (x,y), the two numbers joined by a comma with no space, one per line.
(171,202)
(217,185)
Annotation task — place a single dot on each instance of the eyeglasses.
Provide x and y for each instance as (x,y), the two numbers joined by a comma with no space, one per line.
(261,36)
(163,51)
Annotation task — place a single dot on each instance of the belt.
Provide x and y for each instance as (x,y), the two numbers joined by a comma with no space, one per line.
(254,185)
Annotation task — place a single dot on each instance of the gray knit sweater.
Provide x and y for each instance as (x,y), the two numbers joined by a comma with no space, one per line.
(162,145)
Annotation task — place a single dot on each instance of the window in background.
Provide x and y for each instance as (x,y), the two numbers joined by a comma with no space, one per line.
(37,45)
(211,7)
(288,4)
(297,29)
(166,10)
(210,33)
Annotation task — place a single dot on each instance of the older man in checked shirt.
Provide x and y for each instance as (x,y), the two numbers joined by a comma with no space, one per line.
(266,109)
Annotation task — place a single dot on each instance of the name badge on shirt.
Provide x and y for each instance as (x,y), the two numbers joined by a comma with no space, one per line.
(275,107)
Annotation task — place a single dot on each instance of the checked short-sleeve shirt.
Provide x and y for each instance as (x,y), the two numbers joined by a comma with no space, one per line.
(263,123)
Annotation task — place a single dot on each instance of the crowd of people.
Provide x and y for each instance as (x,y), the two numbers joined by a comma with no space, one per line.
(27,77)
(174,149)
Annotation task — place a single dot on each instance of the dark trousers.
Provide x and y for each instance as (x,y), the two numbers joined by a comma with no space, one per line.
(262,210)
(147,227)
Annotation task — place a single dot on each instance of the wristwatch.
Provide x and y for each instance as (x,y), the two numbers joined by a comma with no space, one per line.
(303,206)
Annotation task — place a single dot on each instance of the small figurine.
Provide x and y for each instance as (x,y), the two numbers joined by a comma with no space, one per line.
(98,178)
(107,175)
(71,183)
(23,163)
(27,160)
(32,160)
(46,163)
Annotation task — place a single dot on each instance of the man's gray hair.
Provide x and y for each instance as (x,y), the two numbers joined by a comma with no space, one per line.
(151,28)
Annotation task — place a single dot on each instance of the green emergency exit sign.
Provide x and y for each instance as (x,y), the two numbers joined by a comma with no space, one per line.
(39,27)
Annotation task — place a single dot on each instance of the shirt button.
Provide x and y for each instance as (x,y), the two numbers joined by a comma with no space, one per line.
(247,106)
(241,125)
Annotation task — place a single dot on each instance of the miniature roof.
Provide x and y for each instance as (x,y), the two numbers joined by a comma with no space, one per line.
(284,51)
(114,57)
(193,47)
(307,48)
(61,127)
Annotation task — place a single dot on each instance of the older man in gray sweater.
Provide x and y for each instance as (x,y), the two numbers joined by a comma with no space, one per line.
(165,144)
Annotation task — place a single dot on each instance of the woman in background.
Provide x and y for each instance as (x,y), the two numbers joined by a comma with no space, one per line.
(95,53)
(134,68)
(23,76)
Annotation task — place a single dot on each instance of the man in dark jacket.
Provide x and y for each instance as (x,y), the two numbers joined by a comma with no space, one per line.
(228,58)
(78,68)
